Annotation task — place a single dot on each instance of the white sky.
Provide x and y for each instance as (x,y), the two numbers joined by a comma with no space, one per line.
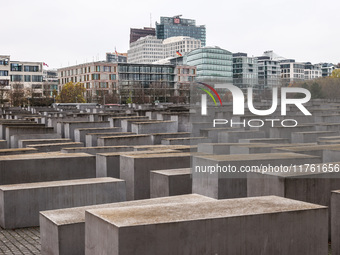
(66,32)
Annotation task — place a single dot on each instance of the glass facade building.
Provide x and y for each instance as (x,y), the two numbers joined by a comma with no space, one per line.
(213,64)
(176,26)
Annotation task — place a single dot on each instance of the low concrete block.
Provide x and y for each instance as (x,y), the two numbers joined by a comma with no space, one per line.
(170,182)
(62,232)
(270,225)
(185,140)
(234,136)
(224,176)
(80,133)
(127,140)
(335,221)
(24,143)
(42,167)
(91,139)
(54,146)
(21,203)
(154,127)
(135,170)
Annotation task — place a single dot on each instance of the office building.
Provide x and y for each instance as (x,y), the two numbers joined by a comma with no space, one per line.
(177,26)
(143,83)
(136,33)
(149,49)
(116,57)
(214,65)
(50,82)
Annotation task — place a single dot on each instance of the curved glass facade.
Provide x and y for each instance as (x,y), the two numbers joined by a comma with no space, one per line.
(213,64)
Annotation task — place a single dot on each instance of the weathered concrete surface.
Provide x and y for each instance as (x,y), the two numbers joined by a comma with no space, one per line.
(108,164)
(54,146)
(91,139)
(233,184)
(154,127)
(170,182)
(97,150)
(21,203)
(268,223)
(15,151)
(63,231)
(311,136)
(185,141)
(124,140)
(15,130)
(157,137)
(234,136)
(69,127)
(135,170)
(80,133)
(24,143)
(335,221)
(42,167)
(309,183)
(265,140)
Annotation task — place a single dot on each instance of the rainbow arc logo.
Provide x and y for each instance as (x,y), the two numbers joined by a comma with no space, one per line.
(209,93)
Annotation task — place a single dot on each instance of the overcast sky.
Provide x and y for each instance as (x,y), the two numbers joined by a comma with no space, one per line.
(66,32)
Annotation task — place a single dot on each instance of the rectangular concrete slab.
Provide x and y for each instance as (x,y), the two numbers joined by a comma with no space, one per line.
(63,231)
(41,167)
(170,182)
(210,228)
(22,202)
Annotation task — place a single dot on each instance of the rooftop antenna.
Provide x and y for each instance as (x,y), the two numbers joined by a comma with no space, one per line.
(150,20)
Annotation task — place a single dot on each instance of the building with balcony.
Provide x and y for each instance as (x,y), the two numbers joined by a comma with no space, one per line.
(245,70)
(143,83)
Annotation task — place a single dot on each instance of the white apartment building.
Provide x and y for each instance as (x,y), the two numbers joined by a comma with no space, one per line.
(292,71)
(146,50)
(182,44)
(149,49)
(4,72)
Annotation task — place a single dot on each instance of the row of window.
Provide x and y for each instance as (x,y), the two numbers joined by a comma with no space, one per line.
(26,78)
(26,68)
(88,69)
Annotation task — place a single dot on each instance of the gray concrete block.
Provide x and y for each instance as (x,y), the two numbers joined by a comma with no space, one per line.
(41,167)
(335,223)
(270,225)
(24,143)
(154,127)
(228,177)
(127,140)
(91,139)
(54,146)
(185,141)
(63,231)
(135,170)
(69,127)
(80,133)
(108,164)
(234,136)
(170,182)
(21,203)
(311,136)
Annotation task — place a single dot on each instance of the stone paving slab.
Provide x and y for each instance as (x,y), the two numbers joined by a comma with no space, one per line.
(20,241)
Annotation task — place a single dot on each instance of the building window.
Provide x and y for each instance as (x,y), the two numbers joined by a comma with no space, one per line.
(27,78)
(16,77)
(95,76)
(31,68)
(37,78)
(3,73)
(112,77)
(16,67)
(107,68)
(97,68)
